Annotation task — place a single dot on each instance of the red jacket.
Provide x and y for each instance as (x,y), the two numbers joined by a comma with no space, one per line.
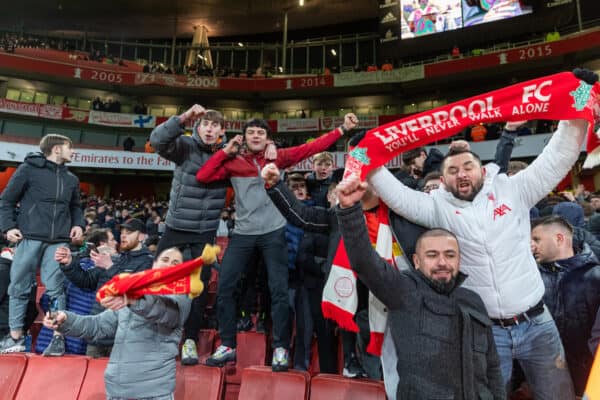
(255,213)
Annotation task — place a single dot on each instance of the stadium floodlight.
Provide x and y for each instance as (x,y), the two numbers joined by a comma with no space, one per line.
(240,44)
(333,52)
(301,3)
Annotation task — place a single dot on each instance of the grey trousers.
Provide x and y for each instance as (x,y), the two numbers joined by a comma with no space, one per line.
(28,255)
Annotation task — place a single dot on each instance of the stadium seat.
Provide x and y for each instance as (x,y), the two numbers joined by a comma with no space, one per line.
(264,384)
(251,351)
(12,367)
(199,381)
(336,387)
(206,344)
(232,391)
(53,378)
(93,382)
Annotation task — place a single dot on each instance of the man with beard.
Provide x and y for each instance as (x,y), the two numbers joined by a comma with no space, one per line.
(49,216)
(133,257)
(489,213)
(442,335)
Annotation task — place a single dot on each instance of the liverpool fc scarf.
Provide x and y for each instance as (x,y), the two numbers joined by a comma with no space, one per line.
(340,298)
(183,278)
(558,97)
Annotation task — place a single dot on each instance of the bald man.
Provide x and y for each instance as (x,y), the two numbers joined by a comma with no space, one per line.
(441,331)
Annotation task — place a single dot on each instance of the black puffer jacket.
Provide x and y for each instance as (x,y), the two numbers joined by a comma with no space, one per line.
(49,201)
(573,298)
(193,206)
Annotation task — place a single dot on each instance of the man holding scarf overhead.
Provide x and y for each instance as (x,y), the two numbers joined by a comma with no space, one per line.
(489,212)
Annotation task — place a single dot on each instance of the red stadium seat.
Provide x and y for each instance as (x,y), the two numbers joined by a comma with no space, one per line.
(93,383)
(264,384)
(53,378)
(12,367)
(251,351)
(336,387)
(199,381)
(206,344)
(232,391)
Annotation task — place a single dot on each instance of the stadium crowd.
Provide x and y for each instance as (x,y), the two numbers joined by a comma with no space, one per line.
(466,303)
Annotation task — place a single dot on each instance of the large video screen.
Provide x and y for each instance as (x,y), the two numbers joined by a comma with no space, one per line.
(424,17)
(480,11)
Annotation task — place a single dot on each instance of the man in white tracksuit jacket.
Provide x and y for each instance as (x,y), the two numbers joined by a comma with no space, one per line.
(489,213)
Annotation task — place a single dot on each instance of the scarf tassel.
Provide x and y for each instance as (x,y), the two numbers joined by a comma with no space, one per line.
(344,319)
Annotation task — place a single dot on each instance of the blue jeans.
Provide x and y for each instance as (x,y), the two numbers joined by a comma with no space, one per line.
(536,345)
(28,255)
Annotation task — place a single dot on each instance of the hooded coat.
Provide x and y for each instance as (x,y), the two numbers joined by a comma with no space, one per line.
(573,299)
(48,194)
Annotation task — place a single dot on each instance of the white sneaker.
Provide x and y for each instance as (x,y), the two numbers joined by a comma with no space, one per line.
(189,353)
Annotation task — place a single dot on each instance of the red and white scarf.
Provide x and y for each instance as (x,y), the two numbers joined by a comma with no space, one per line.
(560,96)
(557,97)
(340,298)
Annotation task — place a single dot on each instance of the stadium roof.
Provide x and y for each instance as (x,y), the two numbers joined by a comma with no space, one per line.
(156,18)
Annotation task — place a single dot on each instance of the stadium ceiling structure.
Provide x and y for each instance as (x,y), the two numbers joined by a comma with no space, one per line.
(129,19)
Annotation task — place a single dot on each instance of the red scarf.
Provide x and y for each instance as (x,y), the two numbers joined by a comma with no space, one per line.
(559,97)
(183,278)
(340,298)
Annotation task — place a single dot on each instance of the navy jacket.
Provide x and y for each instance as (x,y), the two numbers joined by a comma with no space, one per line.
(573,298)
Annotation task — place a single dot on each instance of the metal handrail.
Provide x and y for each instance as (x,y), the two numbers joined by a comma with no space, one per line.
(325,40)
